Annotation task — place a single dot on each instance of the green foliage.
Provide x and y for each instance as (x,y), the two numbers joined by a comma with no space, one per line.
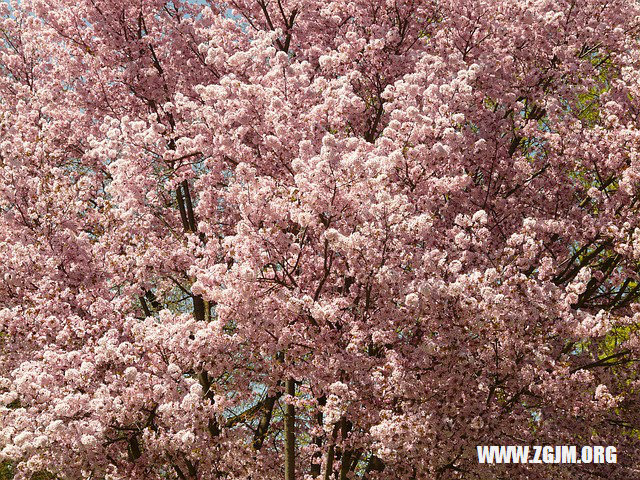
(6,471)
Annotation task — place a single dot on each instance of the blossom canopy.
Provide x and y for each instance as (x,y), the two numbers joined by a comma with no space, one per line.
(317,239)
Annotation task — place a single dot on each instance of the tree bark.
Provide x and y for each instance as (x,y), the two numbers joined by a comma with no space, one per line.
(289,434)
(263,426)
(317,457)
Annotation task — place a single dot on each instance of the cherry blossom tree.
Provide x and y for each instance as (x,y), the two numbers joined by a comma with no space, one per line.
(317,239)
